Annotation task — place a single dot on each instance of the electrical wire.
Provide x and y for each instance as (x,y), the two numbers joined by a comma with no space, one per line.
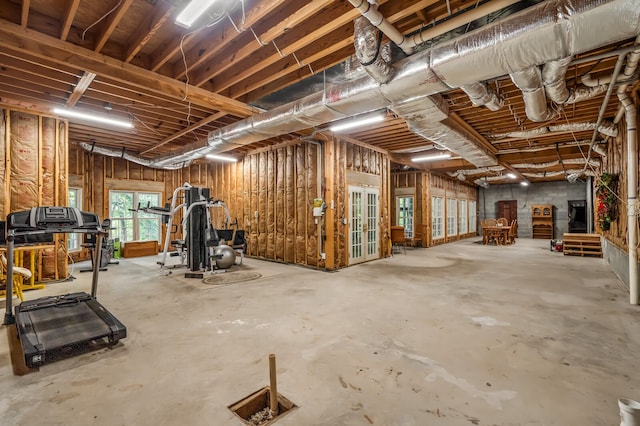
(103,16)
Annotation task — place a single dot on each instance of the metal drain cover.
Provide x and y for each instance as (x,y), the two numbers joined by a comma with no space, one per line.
(223,278)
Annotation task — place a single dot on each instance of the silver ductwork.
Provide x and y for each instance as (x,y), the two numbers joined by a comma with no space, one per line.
(480,94)
(553,79)
(427,116)
(373,56)
(591,163)
(174,164)
(542,33)
(559,173)
(529,81)
(606,128)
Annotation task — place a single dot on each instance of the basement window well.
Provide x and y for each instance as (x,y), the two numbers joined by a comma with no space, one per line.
(254,409)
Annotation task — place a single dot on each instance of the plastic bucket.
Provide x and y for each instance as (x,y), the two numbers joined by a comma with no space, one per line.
(629,412)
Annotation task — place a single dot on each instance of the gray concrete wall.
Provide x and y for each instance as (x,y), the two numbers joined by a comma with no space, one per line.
(556,193)
(618,260)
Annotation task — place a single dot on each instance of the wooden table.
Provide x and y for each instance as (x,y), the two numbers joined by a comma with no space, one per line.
(499,233)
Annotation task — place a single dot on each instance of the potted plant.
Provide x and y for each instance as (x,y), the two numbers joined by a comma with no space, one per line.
(606,202)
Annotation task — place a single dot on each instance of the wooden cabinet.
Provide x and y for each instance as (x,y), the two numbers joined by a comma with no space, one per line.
(542,221)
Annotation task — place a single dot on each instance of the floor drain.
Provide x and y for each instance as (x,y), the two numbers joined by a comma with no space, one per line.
(254,409)
(222,278)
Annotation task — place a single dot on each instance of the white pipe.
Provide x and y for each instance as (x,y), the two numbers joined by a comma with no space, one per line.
(632,194)
(371,12)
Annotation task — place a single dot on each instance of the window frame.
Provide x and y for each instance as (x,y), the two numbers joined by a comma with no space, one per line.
(473,222)
(463,217)
(135,217)
(452,217)
(437,217)
(401,220)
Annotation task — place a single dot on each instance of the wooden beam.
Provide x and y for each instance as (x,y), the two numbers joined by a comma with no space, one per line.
(111,23)
(81,87)
(45,47)
(69,14)
(341,19)
(147,30)
(183,132)
(172,48)
(25,13)
(206,49)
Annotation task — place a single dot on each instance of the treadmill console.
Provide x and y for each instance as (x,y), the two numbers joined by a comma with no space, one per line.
(53,220)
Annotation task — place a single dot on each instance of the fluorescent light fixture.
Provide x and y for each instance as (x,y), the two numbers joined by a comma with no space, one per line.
(433,157)
(524,183)
(193,11)
(511,175)
(357,123)
(221,158)
(97,118)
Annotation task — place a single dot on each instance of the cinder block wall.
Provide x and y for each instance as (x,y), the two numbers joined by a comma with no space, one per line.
(556,193)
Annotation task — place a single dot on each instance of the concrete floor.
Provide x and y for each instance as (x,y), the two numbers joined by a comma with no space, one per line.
(459,334)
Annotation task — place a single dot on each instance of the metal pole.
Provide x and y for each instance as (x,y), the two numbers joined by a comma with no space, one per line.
(8,314)
(96,264)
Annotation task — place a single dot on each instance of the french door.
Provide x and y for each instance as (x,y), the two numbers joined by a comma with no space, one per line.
(364,231)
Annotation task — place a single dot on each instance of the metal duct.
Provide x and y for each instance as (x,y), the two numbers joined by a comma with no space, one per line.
(369,10)
(592,163)
(374,57)
(606,128)
(120,153)
(481,94)
(542,33)
(559,173)
(478,171)
(529,81)
(553,79)
(427,117)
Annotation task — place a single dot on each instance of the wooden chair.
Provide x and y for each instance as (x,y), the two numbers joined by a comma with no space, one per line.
(19,275)
(512,232)
(397,238)
(502,221)
(488,235)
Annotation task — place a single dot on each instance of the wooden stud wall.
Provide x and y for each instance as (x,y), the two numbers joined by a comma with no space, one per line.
(269,194)
(34,173)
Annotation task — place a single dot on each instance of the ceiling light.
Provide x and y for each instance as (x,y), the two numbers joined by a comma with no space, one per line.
(221,158)
(357,123)
(524,183)
(193,11)
(433,157)
(511,175)
(92,117)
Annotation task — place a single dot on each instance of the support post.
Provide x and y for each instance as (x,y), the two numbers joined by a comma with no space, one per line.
(273,386)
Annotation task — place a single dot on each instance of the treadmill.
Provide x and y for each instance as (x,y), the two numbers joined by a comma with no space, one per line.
(53,324)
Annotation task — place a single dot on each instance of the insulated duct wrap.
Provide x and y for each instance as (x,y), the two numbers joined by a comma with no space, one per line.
(426,117)
(606,128)
(480,94)
(529,81)
(138,160)
(559,173)
(553,78)
(541,33)
(374,57)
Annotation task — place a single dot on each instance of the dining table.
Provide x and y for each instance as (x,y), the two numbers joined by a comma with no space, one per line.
(498,233)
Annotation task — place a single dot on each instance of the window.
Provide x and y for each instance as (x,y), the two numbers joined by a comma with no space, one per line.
(472,217)
(452,216)
(404,214)
(437,217)
(463,217)
(75,200)
(128,225)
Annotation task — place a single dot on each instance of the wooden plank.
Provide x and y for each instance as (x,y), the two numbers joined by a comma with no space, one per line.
(111,23)
(45,47)
(148,29)
(81,87)
(69,14)
(331,219)
(25,13)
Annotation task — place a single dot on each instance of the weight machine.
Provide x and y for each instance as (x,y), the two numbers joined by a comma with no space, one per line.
(199,248)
